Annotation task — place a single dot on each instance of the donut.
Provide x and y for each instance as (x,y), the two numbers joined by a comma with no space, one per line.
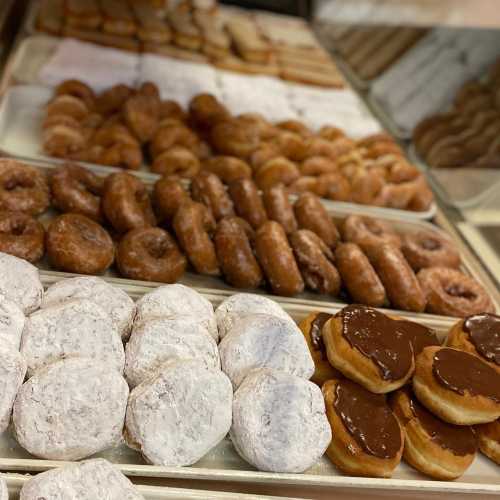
(264,401)
(331,133)
(63,120)
(451,293)
(456,386)
(206,111)
(368,232)
(315,261)
(248,202)
(140,113)
(11,323)
(318,165)
(172,110)
(367,439)
(195,414)
(13,368)
(150,254)
(76,88)
(149,89)
(208,189)
(376,150)
(359,277)
(172,135)
(312,215)
(177,160)
(82,404)
(120,155)
(77,244)
(258,124)
(395,195)
(488,436)
(233,138)
(436,448)
(307,184)
(126,202)
(112,100)
(22,236)
(277,261)
(23,188)
(168,195)
(67,105)
(278,207)
(276,171)
(423,197)
(228,168)
(235,255)
(264,153)
(291,145)
(158,341)
(78,190)
(321,147)
(365,186)
(336,187)
(192,224)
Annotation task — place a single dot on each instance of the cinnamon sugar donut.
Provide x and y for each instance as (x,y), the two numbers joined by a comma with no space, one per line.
(177,160)
(451,293)
(168,195)
(367,232)
(208,189)
(276,171)
(279,208)
(228,168)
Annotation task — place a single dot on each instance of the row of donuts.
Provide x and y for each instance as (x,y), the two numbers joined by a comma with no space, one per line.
(392,391)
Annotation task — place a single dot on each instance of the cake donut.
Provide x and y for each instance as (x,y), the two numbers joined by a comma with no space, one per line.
(452,293)
(193,416)
(247,202)
(369,348)
(367,232)
(264,341)
(111,299)
(228,168)
(82,405)
(279,422)
(157,341)
(208,189)
(12,321)
(13,368)
(367,439)
(488,436)
(168,196)
(90,479)
(456,386)
(440,450)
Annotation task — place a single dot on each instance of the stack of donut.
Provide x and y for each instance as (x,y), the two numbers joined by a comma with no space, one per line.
(121,127)
(391,391)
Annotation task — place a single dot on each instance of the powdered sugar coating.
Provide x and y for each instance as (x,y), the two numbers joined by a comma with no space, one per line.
(111,299)
(71,410)
(90,480)
(242,304)
(20,282)
(279,422)
(177,300)
(160,340)
(263,341)
(12,373)
(11,323)
(4,492)
(74,328)
(179,415)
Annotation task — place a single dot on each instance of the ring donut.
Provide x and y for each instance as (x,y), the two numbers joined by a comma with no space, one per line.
(279,208)
(368,232)
(228,168)
(276,171)
(177,160)
(208,189)
(168,195)
(248,202)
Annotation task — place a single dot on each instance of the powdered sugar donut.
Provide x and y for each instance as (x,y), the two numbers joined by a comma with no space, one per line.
(159,340)
(89,480)
(71,410)
(12,372)
(279,422)
(263,341)
(241,304)
(20,282)
(177,300)
(74,328)
(111,299)
(179,415)
(11,323)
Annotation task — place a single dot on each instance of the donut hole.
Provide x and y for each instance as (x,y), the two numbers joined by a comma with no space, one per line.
(430,244)
(457,290)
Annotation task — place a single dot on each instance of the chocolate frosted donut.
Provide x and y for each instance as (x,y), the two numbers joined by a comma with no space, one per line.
(428,249)
(78,190)
(22,188)
(367,232)
(22,236)
(126,202)
(150,254)
(451,293)
(77,244)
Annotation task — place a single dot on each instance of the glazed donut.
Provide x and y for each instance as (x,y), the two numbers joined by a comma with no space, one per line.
(168,195)
(119,155)
(367,232)
(489,440)
(67,105)
(264,153)
(65,120)
(365,186)
(76,88)
(234,251)
(233,138)
(23,188)
(315,261)
(206,111)
(149,89)
(177,160)
(277,260)
(62,141)
(150,254)
(247,202)
(208,189)
(428,249)
(291,145)
(436,448)
(258,124)
(140,113)
(296,127)
(423,197)
(110,134)
(330,133)
(359,277)
(77,244)
(172,135)
(279,208)
(402,171)
(321,147)
(173,110)
(456,386)
(192,224)
(318,165)
(336,187)
(451,293)
(112,100)
(370,140)
(398,278)
(78,190)
(367,439)
(306,184)
(395,195)
(228,168)
(312,215)
(276,171)
(22,236)
(378,149)
(126,203)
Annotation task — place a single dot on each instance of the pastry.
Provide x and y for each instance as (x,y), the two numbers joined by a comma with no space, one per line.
(367,232)
(248,202)
(208,189)
(278,207)
(168,196)
(489,440)
(12,321)
(13,368)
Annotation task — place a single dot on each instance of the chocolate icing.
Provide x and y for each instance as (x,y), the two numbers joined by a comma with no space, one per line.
(368,418)
(419,335)
(316,326)
(459,372)
(484,333)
